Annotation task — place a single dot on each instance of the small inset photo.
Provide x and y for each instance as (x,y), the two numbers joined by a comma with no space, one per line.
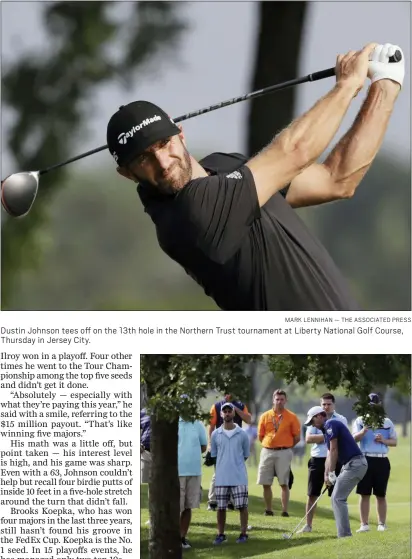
(278,454)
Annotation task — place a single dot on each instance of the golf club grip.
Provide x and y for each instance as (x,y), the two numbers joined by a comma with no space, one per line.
(397,57)
(322,74)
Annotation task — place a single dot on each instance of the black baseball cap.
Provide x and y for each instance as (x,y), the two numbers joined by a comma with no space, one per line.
(135,127)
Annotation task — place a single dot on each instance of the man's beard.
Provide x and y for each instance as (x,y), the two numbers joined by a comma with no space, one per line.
(177,176)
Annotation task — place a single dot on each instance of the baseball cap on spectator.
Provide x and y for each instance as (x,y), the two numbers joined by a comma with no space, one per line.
(228,405)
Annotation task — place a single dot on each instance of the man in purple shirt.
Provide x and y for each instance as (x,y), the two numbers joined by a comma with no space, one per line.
(343,448)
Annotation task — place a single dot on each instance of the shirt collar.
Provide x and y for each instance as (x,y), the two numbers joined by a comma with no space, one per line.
(283,412)
(235,429)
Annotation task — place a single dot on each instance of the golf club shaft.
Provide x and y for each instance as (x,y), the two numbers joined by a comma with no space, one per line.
(266,90)
(309,78)
(306,515)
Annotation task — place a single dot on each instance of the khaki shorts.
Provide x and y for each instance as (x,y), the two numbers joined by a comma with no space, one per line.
(272,461)
(190,492)
(145,466)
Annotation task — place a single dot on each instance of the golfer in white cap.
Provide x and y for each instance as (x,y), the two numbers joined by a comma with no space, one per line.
(316,464)
(343,448)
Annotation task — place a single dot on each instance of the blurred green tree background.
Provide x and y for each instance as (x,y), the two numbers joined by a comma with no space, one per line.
(87,244)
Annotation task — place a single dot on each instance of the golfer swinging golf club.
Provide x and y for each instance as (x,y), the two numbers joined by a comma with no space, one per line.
(343,448)
(229,221)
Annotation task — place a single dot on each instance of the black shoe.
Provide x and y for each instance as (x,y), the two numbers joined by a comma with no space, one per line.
(269,513)
(285,514)
(186,544)
(212,506)
(231,506)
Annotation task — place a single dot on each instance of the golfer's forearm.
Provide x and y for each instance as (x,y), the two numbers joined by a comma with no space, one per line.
(353,155)
(311,133)
(209,439)
(333,459)
(300,144)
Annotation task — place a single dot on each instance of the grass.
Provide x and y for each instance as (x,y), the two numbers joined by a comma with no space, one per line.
(265,538)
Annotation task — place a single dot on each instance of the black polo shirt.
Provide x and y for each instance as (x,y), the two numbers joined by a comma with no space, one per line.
(245,257)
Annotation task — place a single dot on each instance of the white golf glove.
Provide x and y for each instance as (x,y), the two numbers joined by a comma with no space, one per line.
(381,69)
(332,478)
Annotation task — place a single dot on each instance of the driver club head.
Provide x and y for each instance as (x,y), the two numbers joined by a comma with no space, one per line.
(18,192)
(286,536)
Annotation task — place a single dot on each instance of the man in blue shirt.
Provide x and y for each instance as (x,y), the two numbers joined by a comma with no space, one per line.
(343,448)
(230,447)
(316,464)
(374,444)
(192,443)
(216,420)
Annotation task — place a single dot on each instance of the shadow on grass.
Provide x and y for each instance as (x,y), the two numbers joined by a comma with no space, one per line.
(261,543)
(236,551)
(233,523)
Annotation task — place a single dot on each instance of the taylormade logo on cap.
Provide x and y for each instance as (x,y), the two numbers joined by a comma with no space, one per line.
(123,137)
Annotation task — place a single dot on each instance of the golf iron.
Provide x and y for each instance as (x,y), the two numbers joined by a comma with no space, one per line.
(19,190)
(288,536)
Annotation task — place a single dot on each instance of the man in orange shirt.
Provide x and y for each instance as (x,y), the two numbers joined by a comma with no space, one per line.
(241,414)
(279,432)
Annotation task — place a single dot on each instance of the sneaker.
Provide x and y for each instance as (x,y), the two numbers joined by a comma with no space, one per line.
(363,528)
(243,538)
(231,506)
(185,544)
(382,527)
(285,514)
(269,513)
(306,528)
(221,538)
(212,506)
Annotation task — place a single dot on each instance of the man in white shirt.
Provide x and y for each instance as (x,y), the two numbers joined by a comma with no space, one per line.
(316,464)
(374,443)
